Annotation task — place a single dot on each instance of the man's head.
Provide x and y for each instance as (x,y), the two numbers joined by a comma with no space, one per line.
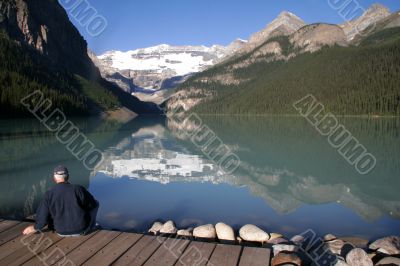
(60,174)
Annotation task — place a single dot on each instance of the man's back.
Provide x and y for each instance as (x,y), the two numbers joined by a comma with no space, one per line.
(67,207)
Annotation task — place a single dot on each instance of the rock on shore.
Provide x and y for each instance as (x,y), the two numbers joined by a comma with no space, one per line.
(185,232)
(205,231)
(347,251)
(168,228)
(358,257)
(155,228)
(224,232)
(252,233)
(388,245)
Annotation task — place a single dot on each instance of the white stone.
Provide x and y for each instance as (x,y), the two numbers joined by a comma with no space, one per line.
(205,231)
(389,245)
(155,228)
(224,232)
(273,236)
(185,232)
(282,247)
(389,261)
(329,237)
(168,228)
(298,240)
(252,233)
(334,246)
(358,257)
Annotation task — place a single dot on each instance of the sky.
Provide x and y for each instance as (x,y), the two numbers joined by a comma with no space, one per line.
(133,24)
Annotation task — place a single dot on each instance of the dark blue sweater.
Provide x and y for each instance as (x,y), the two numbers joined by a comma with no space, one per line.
(67,208)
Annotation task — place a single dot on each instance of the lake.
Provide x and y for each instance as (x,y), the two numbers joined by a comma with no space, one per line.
(289,179)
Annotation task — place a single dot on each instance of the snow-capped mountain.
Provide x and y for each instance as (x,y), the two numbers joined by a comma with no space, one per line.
(159,67)
(182,60)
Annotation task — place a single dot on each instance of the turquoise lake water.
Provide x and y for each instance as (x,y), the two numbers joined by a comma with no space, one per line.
(289,179)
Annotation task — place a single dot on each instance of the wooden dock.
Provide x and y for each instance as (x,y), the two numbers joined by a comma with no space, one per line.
(118,248)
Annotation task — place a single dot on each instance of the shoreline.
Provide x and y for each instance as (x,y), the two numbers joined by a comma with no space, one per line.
(305,248)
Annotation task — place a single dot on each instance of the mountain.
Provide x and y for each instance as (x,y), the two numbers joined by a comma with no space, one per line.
(313,37)
(160,67)
(370,17)
(144,72)
(349,78)
(40,49)
(389,22)
(285,24)
(45,27)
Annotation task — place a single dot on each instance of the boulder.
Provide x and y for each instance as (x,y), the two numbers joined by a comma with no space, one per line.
(168,228)
(389,245)
(156,227)
(205,231)
(275,236)
(298,240)
(284,248)
(334,246)
(286,258)
(185,232)
(224,232)
(389,261)
(252,233)
(329,237)
(358,257)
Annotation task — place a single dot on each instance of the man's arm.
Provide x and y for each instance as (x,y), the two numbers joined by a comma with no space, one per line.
(42,214)
(88,202)
(42,218)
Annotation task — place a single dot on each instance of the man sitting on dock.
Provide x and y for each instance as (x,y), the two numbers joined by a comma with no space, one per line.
(68,209)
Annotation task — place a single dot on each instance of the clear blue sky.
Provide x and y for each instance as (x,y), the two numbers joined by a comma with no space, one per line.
(136,24)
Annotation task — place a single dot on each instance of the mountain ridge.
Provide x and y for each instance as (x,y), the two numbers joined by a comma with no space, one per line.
(144,77)
(317,58)
(371,16)
(40,49)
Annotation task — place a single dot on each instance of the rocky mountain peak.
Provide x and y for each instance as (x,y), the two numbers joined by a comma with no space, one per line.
(284,15)
(377,7)
(286,23)
(372,15)
(236,45)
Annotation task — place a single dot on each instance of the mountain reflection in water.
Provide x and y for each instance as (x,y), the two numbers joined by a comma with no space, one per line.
(289,178)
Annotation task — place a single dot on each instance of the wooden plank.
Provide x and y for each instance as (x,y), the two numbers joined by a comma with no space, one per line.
(5,225)
(9,247)
(197,253)
(225,255)
(90,247)
(59,251)
(168,253)
(30,246)
(12,232)
(252,256)
(141,251)
(114,249)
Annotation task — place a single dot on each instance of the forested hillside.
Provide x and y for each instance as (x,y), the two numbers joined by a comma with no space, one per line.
(354,80)
(23,71)
(40,49)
